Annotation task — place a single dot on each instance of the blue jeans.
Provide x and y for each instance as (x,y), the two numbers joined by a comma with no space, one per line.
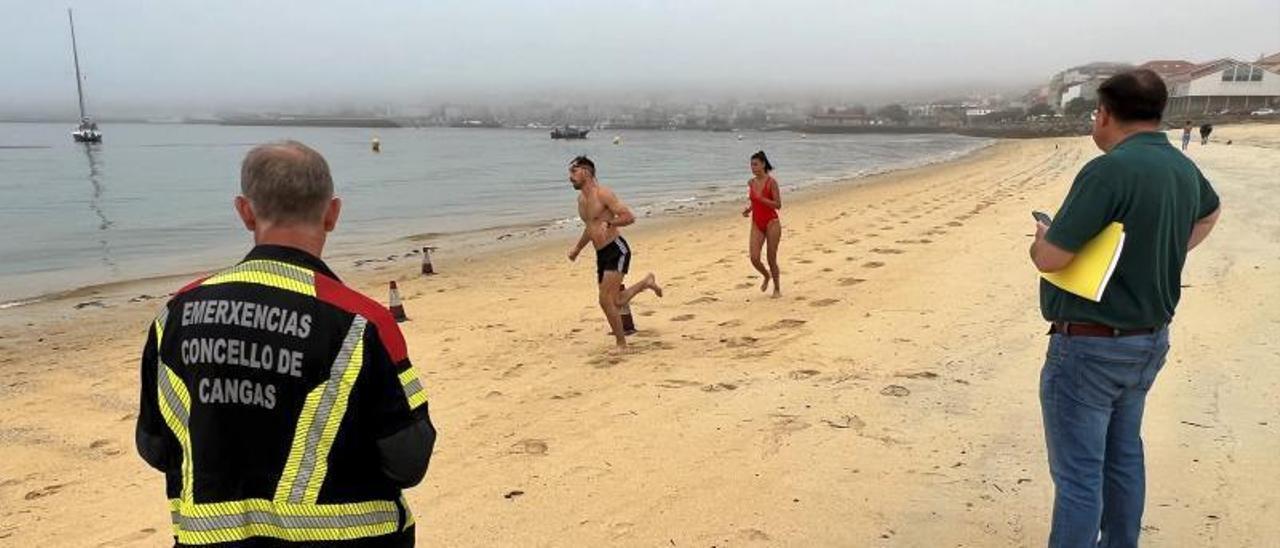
(1092,392)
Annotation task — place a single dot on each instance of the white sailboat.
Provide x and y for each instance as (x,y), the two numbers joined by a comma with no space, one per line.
(87,131)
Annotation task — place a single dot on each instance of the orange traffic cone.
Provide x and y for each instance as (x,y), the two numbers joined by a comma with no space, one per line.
(427,269)
(397,308)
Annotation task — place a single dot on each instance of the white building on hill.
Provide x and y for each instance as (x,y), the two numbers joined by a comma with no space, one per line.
(1222,86)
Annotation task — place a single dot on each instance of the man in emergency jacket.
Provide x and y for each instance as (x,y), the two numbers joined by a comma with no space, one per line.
(279,403)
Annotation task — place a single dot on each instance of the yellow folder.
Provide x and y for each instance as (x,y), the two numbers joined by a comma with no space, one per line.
(1088,273)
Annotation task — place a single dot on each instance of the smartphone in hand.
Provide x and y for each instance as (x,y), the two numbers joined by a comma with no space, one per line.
(1042,217)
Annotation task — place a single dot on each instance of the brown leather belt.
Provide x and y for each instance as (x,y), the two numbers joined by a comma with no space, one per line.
(1096,330)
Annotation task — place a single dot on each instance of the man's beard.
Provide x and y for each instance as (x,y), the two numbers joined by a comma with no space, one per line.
(576,185)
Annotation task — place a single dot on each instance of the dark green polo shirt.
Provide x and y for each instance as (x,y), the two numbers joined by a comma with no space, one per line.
(1158,194)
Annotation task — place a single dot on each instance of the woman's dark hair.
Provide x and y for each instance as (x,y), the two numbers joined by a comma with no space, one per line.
(759,155)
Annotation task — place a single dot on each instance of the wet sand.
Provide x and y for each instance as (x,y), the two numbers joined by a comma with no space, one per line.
(889,398)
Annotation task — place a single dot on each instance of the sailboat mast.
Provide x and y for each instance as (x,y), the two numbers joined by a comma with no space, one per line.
(75,55)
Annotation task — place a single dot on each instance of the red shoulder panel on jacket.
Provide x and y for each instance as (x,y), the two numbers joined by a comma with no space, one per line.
(335,293)
(194,284)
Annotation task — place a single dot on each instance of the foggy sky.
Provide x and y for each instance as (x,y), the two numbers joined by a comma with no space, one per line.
(163,56)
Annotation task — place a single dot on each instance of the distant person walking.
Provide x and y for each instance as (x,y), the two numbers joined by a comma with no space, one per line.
(1205,130)
(602,214)
(766,227)
(1186,135)
(1104,356)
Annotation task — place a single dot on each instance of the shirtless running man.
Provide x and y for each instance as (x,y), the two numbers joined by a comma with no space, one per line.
(602,213)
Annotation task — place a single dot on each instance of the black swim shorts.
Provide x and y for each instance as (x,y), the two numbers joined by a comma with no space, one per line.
(615,256)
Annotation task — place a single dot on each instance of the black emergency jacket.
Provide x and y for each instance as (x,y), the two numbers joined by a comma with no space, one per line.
(283,409)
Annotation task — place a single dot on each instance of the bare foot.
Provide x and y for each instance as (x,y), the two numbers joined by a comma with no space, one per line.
(776,293)
(764,286)
(652,283)
(619,350)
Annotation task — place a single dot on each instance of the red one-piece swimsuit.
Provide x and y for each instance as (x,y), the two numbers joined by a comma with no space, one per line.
(761,213)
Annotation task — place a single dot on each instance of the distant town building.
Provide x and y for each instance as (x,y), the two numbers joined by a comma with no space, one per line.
(1220,87)
(1270,62)
(1166,68)
(1087,91)
(832,117)
(1087,77)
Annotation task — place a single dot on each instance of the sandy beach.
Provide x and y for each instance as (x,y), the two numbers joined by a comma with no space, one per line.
(888,399)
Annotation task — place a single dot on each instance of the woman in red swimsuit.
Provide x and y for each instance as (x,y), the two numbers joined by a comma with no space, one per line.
(766,200)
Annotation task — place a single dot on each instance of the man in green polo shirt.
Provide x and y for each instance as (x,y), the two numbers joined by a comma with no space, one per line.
(1103,356)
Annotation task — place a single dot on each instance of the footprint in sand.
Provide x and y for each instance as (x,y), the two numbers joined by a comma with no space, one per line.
(851,241)
(752,355)
(851,281)
(604,361)
(802,374)
(872,264)
(918,375)
(895,390)
(730,323)
(107,447)
(529,447)
(743,285)
(736,342)
(677,383)
(703,300)
(129,539)
(683,318)
(846,421)
(824,302)
(887,251)
(786,324)
(955,223)
(805,261)
(44,491)
(783,427)
(719,387)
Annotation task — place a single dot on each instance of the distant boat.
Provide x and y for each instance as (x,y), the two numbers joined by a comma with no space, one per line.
(569,132)
(87,131)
